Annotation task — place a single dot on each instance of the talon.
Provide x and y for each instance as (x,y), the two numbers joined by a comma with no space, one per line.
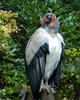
(41,87)
(47,88)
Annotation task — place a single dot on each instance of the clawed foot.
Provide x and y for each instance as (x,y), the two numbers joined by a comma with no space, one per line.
(44,87)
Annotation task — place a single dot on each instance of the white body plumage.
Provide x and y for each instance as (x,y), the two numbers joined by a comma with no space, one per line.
(54,57)
(39,38)
(54,40)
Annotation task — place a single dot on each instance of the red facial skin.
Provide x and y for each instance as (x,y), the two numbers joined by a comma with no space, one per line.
(53,21)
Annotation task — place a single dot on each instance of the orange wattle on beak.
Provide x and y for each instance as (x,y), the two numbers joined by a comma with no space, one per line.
(53,21)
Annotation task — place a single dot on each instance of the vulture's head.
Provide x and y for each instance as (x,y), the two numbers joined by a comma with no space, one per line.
(49,19)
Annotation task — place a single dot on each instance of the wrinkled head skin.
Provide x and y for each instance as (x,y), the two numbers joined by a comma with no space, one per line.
(47,19)
(50,20)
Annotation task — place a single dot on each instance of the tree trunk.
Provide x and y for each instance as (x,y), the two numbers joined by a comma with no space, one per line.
(47,96)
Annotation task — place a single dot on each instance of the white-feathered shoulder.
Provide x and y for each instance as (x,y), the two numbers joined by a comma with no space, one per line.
(36,40)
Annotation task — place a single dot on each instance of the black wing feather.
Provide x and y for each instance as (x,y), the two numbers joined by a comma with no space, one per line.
(35,70)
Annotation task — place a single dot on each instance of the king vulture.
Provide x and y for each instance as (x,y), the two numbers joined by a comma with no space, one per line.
(43,54)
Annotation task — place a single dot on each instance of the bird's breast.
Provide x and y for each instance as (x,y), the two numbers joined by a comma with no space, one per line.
(54,56)
(54,44)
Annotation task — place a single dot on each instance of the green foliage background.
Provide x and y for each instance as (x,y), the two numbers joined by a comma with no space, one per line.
(18,20)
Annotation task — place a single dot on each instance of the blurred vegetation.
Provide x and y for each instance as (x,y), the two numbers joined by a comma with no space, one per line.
(18,20)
